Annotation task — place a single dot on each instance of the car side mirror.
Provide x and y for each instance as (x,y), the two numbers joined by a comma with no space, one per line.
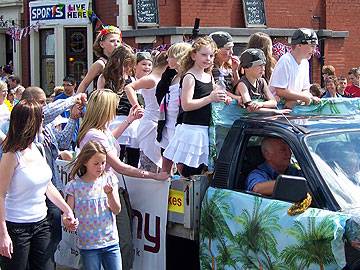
(290,188)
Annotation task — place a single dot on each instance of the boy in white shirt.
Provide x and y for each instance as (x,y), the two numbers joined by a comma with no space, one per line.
(290,78)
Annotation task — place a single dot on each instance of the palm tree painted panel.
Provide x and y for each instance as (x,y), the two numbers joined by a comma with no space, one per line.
(242,231)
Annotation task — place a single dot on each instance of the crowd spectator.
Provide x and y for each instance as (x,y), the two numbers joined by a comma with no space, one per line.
(2,74)
(52,140)
(327,71)
(93,195)
(315,90)
(354,77)
(25,180)
(331,87)
(69,85)
(342,84)
(100,112)
(4,108)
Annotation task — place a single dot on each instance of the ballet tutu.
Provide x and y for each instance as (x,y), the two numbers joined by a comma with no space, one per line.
(129,136)
(189,145)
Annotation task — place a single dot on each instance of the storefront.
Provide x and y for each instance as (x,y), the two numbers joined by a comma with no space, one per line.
(10,15)
(63,45)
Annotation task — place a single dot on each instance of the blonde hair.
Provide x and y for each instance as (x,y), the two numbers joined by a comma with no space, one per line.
(178,50)
(87,152)
(103,33)
(100,110)
(187,62)
(3,86)
(263,41)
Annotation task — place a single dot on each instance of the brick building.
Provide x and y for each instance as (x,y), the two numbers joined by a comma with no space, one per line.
(71,42)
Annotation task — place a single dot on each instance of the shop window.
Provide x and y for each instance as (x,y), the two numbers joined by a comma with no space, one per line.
(47,59)
(76,53)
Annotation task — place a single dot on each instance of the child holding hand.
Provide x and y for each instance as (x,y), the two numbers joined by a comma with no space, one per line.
(93,195)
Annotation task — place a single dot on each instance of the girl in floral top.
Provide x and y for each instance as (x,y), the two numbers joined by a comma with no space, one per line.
(93,196)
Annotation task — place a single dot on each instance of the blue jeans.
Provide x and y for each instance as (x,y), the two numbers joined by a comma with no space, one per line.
(109,257)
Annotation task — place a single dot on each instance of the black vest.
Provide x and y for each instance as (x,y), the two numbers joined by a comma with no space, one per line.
(200,116)
(255,92)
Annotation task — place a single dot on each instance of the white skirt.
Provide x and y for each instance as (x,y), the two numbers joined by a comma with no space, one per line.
(129,136)
(147,137)
(189,145)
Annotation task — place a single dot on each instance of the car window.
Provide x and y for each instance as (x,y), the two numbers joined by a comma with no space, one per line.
(253,157)
(336,156)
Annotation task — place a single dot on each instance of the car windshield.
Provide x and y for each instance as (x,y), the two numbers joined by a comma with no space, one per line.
(336,156)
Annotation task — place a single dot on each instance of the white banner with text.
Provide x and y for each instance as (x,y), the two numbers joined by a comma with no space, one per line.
(149,201)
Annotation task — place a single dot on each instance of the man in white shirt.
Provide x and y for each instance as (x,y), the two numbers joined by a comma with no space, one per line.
(290,78)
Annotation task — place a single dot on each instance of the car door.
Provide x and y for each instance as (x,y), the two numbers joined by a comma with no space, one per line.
(240,229)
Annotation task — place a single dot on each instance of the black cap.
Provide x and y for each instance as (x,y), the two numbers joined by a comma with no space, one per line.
(304,36)
(222,39)
(252,58)
(143,56)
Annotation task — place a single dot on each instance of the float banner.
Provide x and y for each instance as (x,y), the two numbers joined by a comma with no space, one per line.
(243,231)
(59,12)
(149,201)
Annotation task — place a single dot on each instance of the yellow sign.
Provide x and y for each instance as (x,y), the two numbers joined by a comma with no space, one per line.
(176,201)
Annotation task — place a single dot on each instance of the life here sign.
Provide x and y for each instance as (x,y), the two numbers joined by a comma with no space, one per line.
(59,12)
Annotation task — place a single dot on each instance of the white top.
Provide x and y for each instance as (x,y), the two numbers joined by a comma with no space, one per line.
(146,133)
(173,104)
(25,198)
(290,75)
(152,111)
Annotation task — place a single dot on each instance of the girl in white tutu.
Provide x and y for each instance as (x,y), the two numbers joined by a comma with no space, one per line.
(189,146)
(116,75)
(168,92)
(150,156)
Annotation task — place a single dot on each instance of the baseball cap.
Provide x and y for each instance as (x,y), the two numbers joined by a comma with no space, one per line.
(252,57)
(222,39)
(143,56)
(304,36)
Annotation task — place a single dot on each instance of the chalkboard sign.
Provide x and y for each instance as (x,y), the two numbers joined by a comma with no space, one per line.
(146,13)
(254,13)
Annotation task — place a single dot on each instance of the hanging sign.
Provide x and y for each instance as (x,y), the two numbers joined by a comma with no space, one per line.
(59,12)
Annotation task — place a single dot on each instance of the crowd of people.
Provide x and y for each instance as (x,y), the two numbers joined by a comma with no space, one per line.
(148,117)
